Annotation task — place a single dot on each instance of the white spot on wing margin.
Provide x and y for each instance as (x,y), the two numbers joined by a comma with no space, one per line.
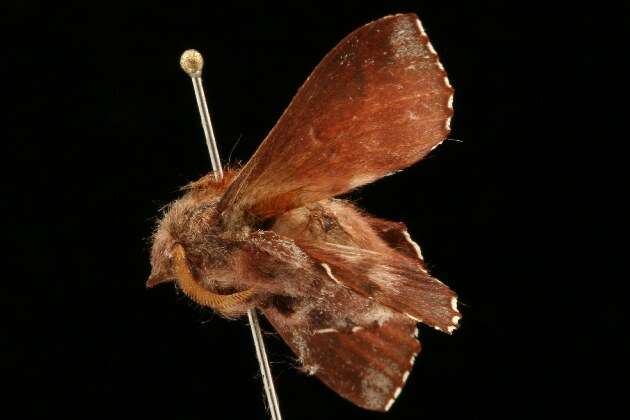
(419,24)
(415,246)
(414,318)
(412,360)
(433,148)
(406,376)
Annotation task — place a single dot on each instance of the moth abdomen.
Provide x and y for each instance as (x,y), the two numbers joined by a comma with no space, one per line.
(342,288)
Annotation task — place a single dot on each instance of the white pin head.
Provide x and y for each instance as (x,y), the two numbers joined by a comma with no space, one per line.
(191,62)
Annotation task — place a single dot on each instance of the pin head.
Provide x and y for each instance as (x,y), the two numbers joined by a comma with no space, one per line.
(191,62)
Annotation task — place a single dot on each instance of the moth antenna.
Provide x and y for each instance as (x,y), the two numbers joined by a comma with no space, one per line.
(232,150)
(191,62)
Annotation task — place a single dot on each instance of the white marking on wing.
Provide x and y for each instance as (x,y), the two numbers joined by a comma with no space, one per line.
(420,27)
(329,272)
(434,147)
(415,246)
(405,376)
(412,360)
(389,404)
(413,317)
(326,331)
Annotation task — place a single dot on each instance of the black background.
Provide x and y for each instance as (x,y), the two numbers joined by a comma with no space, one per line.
(102,129)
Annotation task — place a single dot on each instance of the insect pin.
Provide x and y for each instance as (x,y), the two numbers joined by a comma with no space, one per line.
(344,289)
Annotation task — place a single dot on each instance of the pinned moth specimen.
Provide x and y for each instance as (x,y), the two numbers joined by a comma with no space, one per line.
(344,289)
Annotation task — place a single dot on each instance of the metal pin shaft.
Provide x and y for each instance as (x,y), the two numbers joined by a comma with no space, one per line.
(207,127)
(192,63)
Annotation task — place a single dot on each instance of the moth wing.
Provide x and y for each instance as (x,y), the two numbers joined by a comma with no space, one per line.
(393,280)
(396,235)
(367,366)
(377,103)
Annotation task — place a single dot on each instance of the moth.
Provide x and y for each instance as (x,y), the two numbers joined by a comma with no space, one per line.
(344,289)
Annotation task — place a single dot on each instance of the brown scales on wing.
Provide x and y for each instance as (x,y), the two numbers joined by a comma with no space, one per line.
(342,288)
(377,103)
(336,233)
(368,366)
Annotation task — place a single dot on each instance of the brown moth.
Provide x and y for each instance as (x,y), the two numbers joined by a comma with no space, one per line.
(342,288)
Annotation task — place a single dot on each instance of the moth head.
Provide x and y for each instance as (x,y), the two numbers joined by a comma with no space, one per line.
(162,269)
(189,230)
(186,221)
(190,248)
